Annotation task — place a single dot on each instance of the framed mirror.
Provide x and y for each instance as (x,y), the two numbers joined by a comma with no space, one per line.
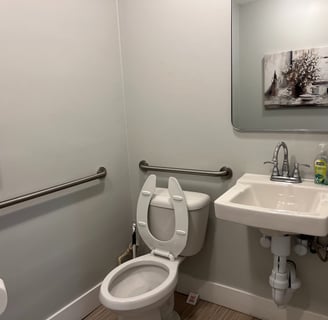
(280,65)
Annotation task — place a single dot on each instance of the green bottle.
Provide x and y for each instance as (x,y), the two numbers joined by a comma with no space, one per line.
(320,166)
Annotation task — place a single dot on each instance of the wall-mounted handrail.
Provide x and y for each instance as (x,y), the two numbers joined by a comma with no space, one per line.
(223,172)
(101,173)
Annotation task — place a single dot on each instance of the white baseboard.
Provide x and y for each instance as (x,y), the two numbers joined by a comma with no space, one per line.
(229,297)
(242,301)
(80,307)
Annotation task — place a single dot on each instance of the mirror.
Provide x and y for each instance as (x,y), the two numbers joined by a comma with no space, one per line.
(280,65)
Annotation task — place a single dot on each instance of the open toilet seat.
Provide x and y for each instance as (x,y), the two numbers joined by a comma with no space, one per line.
(142,288)
(122,279)
(174,246)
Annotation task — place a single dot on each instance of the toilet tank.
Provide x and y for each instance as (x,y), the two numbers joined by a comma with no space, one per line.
(161,219)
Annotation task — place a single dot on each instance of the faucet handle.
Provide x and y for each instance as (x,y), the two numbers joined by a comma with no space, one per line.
(275,171)
(296,171)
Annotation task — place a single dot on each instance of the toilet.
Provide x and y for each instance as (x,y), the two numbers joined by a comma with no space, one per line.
(172,223)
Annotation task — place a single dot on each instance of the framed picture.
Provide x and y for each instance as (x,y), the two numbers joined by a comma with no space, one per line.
(296,78)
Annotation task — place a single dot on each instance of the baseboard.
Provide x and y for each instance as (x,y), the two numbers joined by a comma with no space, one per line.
(229,297)
(80,307)
(242,301)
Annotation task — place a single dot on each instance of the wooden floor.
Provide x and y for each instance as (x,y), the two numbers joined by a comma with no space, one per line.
(203,310)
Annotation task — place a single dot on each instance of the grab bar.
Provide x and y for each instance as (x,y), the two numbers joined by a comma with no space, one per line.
(101,173)
(223,172)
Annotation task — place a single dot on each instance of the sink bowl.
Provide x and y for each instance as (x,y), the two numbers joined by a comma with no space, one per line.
(257,201)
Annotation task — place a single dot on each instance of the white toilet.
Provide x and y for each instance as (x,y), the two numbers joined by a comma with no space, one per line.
(172,223)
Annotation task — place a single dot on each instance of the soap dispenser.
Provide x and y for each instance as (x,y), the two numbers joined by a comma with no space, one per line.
(320,166)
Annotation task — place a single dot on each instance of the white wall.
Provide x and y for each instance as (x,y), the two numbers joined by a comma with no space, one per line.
(177,75)
(62,117)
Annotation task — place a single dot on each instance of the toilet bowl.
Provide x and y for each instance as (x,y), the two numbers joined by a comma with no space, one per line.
(140,285)
(143,288)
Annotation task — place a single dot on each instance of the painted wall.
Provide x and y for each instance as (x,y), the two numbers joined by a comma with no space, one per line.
(62,117)
(176,58)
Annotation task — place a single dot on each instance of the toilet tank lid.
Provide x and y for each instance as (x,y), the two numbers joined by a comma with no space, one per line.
(194,200)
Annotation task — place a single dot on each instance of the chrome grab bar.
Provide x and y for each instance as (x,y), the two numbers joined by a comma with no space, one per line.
(223,172)
(101,173)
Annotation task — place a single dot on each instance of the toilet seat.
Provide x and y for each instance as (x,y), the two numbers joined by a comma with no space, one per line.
(117,303)
(143,288)
(174,246)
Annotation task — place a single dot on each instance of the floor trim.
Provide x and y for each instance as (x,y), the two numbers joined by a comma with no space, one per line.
(217,293)
(80,307)
(242,301)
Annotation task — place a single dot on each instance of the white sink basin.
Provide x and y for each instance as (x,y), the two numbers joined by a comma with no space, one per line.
(257,201)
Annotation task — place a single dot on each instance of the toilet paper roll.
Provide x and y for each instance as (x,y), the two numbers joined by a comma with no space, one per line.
(3,297)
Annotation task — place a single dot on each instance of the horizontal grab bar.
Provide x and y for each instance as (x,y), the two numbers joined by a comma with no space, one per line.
(101,173)
(223,172)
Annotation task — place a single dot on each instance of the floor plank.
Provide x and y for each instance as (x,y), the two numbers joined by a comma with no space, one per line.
(203,310)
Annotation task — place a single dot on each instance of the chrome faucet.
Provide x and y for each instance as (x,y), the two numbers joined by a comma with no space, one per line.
(284,176)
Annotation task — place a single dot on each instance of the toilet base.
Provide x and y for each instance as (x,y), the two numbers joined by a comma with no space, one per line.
(174,316)
(164,312)
(167,310)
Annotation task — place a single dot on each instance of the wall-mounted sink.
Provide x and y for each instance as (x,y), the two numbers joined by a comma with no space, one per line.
(290,208)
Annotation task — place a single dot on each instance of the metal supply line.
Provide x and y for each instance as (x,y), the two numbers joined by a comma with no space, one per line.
(223,172)
(101,173)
